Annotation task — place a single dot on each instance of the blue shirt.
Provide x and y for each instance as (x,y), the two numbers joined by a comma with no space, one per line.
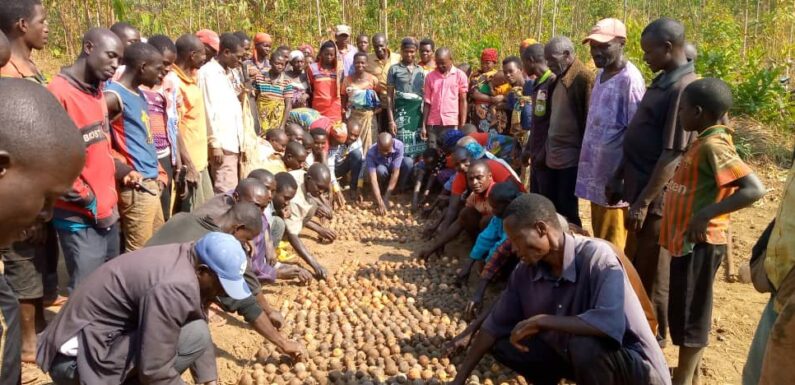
(392,161)
(130,133)
(488,240)
(593,286)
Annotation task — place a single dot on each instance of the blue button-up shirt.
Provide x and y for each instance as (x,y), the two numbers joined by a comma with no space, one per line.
(593,287)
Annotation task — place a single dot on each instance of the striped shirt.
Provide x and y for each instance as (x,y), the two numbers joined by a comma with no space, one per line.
(267,87)
(701,179)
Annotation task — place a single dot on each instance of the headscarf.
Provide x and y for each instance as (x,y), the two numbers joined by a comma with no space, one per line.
(307,47)
(450,138)
(260,37)
(475,150)
(296,54)
(210,38)
(489,54)
(339,131)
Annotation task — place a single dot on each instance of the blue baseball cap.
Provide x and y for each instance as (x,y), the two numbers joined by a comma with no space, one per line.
(224,255)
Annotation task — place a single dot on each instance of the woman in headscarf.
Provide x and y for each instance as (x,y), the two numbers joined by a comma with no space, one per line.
(360,99)
(261,52)
(309,54)
(296,72)
(274,94)
(325,78)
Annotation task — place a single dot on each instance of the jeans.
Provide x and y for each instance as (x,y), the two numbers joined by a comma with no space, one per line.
(384,173)
(350,164)
(194,339)
(85,250)
(10,336)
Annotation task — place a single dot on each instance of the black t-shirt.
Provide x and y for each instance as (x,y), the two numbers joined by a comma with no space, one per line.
(655,128)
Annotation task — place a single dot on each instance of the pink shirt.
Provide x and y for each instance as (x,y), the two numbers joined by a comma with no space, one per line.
(441,93)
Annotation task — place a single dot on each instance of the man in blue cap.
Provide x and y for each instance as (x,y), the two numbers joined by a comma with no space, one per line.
(140,318)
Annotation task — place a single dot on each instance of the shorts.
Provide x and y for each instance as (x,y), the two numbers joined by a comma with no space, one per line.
(690,297)
(25,266)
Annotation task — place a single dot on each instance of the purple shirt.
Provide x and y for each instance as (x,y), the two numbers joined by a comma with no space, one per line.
(612,106)
(393,161)
(441,93)
(593,287)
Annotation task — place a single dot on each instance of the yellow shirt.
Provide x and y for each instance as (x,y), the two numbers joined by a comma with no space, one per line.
(380,68)
(192,123)
(781,246)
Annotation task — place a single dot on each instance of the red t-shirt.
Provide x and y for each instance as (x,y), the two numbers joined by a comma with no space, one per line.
(499,172)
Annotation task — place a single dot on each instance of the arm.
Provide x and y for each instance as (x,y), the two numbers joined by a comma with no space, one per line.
(415,195)
(265,328)
(480,97)
(482,344)
(749,190)
(663,172)
(462,109)
(288,106)
(376,191)
(114,105)
(563,324)
(295,242)
(447,236)
(216,153)
(452,211)
(390,107)
(323,232)
(393,179)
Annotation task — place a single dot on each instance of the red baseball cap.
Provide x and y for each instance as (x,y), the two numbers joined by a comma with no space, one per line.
(606,30)
(210,38)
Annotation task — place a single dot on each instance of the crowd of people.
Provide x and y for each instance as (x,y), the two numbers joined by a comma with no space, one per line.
(180,174)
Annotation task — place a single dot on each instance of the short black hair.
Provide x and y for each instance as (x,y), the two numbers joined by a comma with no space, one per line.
(427,41)
(242,36)
(163,43)
(711,94)
(139,53)
(273,133)
(430,152)
(260,174)
(534,53)
(360,54)
(318,132)
(327,44)
(247,214)
(285,180)
(249,184)
(666,29)
(13,10)
(294,148)
(188,43)
(505,191)
(119,28)
(529,209)
(512,59)
(229,41)
(408,42)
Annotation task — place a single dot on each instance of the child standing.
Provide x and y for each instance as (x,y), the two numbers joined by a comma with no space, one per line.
(710,182)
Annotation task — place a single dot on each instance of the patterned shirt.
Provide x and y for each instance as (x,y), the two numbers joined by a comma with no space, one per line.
(781,245)
(612,105)
(701,179)
(279,88)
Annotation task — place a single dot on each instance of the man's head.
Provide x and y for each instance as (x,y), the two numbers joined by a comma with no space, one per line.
(243,221)
(252,190)
(379,46)
(533,60)
(512,68)
(33,124)
(246,41)
(501,195)
(427,48)
(559,53)
(166,48)
(283,51)
(286,187)
(308,142)
(408,50)
(533,228)
(444,60)
(479,177)
(220,264)
(317,180)
(190,51)
(24,20)
(294,156)
(342,35)
(362,42)
(265,177)
(277,138)
(5,49)
(385,143)
(430,156)
(126,33)
(461,159)
(102,52)
(320,138)
(704,103)
(691,52)
(145,62)
(294,131)
(607,40)
(468,129)
(488,59)
(211,42)
(354,130)
(230,51)
(663,44)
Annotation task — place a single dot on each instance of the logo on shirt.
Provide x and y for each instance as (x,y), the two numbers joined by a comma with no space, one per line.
(93,134)
(676,188)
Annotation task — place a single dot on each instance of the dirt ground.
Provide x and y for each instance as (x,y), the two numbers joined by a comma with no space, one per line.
(737,305)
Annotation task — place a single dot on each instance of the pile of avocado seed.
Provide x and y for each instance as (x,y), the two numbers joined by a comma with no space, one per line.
(360,223)
(381,323)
